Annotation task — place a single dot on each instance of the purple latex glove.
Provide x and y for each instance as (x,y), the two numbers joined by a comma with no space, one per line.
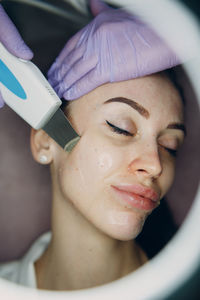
(115,46)
(11,39)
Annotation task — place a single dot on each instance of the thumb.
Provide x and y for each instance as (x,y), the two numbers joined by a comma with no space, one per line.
(10,37)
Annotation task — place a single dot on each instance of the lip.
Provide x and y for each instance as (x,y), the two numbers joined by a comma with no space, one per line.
(138,196)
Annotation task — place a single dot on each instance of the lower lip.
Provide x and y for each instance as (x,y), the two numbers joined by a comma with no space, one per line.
(135,200)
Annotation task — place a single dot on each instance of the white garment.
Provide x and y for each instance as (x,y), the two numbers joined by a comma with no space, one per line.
(22,271)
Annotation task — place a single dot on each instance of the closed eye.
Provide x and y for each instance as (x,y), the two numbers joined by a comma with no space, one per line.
(169,144)
(172,152)
(119,130)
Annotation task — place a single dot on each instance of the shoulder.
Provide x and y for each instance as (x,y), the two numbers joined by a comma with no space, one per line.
(22,271)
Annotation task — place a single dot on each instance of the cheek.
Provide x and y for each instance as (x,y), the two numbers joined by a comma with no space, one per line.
(105,161)
(96,160)
(167,178)
(88,167)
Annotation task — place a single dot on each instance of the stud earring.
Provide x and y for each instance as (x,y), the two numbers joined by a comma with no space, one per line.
(43,159)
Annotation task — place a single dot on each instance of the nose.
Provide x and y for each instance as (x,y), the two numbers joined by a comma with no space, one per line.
(147,164)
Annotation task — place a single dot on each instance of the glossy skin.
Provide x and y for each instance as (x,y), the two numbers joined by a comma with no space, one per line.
(104,158)
(93,227)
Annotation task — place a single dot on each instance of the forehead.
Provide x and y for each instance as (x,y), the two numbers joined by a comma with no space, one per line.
(155,92)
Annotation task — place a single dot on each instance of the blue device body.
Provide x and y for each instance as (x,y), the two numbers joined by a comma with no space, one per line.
(8,79)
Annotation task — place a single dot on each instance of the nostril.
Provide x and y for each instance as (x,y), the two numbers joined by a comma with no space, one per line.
(148,173)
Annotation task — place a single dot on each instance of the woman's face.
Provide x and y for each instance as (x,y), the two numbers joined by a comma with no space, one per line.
(124,162)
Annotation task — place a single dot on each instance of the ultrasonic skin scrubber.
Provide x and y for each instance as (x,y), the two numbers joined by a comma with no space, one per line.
(29,94)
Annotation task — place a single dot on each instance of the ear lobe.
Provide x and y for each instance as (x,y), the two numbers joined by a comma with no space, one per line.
(40,146)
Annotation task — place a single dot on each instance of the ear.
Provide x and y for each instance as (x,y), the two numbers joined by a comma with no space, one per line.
(40,146)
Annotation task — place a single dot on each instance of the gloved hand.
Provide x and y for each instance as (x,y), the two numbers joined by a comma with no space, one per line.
(11,39)
(115,46)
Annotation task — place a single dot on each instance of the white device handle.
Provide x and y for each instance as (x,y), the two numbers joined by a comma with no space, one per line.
(40,101)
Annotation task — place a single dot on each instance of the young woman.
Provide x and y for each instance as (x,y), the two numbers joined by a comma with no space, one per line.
(129,116)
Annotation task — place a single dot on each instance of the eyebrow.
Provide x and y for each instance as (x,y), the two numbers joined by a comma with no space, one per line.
(144,112)
(178,126)
(139,108)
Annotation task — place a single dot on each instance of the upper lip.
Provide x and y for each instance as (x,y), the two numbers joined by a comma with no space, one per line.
(140,190)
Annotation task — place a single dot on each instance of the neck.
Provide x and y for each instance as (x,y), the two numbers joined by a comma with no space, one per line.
(80,256)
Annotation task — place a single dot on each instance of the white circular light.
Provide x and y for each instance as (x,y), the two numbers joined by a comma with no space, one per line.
(165,273)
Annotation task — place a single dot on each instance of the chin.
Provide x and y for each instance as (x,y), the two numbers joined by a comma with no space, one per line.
(124,234)
(125,227)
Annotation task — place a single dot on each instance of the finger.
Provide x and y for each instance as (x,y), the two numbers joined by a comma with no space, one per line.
(56,73)
(11,38)
(84,85)
(70,46)
(79,70)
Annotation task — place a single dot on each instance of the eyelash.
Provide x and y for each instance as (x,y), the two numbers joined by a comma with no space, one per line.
(119,130)
(172,152)
(126,133)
